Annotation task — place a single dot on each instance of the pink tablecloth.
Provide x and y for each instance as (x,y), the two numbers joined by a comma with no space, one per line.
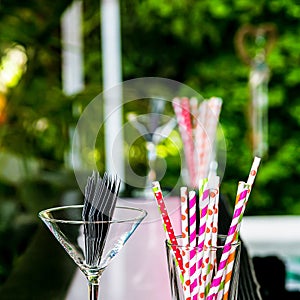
(140,270)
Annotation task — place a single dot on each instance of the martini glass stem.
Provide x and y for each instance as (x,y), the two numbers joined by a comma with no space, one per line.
(93,291)
(93,284)
(152,155)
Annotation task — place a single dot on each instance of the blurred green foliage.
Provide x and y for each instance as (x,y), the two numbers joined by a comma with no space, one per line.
(189,41)
(193,42)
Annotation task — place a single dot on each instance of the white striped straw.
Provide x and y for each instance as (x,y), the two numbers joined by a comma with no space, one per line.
(211,123)
(200,138)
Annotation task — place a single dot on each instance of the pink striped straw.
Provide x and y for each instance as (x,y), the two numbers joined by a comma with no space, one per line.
(250,182)
(203,206)
(223,294)
(185,239)
(229,266)
(184,215)
(182,111)
(230,238)
(193,242)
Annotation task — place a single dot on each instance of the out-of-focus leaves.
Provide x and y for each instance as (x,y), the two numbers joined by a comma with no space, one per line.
(198,38)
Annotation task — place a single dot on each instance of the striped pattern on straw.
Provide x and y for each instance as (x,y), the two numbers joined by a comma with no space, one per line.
(185,237)
(193,243)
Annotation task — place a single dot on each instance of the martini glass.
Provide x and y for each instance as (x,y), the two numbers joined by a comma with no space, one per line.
(67,226)
(155,128)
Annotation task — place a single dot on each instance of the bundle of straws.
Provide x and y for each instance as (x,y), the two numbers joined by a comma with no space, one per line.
(197,124)
(198,280)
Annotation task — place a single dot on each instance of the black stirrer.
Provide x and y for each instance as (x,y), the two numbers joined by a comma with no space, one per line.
(99,204)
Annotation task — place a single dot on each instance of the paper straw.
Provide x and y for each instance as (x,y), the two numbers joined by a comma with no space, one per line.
(206,229)
(230,238)
(211,123)
(185,239)
(192,218)
(203,205)
(214,234)
(213,184)
(206,265)
(229,267)
(194,112)
(185,103)
(200,140)
(223,292)
(167,223)
(184,215)
(250,182)
(238,211)
(182,112)
(253,171)
(193,241)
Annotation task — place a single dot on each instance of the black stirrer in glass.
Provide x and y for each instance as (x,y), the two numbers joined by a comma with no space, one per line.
(99,204)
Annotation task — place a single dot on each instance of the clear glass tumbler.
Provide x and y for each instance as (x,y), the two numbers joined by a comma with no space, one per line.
(210,272)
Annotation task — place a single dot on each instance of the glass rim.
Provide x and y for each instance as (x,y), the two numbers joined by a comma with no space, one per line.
(168,243)
(43,215)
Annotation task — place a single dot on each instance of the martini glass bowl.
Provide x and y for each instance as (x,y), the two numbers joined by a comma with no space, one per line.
(69,229)
(155,128)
